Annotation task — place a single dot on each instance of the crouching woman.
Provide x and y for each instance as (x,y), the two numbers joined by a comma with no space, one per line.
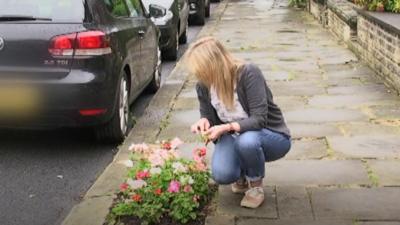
(239,115)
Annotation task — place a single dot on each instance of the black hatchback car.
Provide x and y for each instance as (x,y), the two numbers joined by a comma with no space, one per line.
(173,24)
(75,63)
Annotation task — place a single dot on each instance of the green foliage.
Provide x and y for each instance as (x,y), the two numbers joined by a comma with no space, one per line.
(380,5)
(298,3)
(158,197)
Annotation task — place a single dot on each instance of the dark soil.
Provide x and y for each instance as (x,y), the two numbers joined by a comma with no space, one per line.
(166,220)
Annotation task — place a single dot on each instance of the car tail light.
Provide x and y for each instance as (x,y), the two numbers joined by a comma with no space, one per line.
(89,43)
(92,112)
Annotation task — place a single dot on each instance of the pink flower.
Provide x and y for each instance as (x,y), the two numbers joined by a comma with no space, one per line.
(176,142)
(187,188)
(174,187)
(200,166)
(156,160)
(123,187)
(142,175)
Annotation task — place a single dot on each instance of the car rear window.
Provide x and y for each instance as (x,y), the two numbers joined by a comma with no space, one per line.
(56,10)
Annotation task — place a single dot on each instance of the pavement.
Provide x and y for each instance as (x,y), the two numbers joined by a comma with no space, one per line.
(344,166)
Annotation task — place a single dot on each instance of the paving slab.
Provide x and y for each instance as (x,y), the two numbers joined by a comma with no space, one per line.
(379,223)
(315,172)
(358,89)
(338,101)
(387,111)
(183,103)
(308,149)
(314,115)
(309,130)
(360,204)
(294,202)
(220,220)
(388,171)
(356,129)
(366,146)
(250,221)
(295,88)
(229,204)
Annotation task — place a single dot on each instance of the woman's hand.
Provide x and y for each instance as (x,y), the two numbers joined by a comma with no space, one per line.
(216,132)
(200,126)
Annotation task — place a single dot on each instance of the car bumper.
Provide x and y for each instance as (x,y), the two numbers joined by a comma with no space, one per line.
(66,102)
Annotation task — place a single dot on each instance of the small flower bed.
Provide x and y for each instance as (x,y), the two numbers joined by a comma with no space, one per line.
(161,185)
(379,5)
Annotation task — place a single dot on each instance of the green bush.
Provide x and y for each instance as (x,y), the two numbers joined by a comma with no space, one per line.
(380,5)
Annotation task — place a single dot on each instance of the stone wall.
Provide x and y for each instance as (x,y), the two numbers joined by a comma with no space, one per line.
(339,27)
(381,49)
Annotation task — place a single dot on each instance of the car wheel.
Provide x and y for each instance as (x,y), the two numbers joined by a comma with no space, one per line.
(199,17)
(116,130)
(183,38)
(207,13)
(171,53)
(155,83)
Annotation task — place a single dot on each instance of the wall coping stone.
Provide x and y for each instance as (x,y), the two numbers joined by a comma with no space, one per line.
(389,21)
(345,10)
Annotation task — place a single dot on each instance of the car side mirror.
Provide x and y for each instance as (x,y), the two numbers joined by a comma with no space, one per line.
(157,11)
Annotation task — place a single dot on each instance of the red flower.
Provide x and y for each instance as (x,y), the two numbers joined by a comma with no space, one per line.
(136,198)
(142,175)
(167,146)
(123,187)
(202,152)
(158,191)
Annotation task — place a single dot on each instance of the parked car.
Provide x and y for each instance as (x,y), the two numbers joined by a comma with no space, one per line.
(87,61)
(199,10)
(173,24)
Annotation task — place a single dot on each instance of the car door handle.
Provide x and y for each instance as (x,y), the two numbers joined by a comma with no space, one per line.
(141,33)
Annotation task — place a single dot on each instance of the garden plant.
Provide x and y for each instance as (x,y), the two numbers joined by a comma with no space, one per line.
(161,184)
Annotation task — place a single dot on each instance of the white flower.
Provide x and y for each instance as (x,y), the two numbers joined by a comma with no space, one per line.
(136,184)
(179,167)
(190,181)
(155,170)
(186,180)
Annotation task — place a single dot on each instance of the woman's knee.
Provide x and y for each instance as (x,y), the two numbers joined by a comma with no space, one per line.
(223,175)
(248,143)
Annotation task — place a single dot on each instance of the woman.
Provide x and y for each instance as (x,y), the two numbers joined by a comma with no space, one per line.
(239,115)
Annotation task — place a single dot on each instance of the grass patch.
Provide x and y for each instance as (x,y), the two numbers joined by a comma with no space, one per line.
(372,176)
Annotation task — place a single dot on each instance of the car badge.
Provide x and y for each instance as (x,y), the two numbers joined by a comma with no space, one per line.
(1,43)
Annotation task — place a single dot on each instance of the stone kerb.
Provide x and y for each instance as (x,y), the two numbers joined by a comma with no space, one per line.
(342,19)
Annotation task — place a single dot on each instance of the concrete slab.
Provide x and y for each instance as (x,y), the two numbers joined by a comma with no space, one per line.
(250,221)
(92,206)
(229,204)
(220,220)
(294,202)
(349,100)
(313,115)
(366,146)
(309,130)
(388,171)
(361,204)
(307,149)
(315,172)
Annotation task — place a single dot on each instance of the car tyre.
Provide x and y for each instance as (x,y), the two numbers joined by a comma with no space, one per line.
(116,130)
(171,53)
(184,37)
(155,83)
(207,12)
(199,17)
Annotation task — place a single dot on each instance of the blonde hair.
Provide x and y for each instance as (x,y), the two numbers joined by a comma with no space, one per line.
(215,67)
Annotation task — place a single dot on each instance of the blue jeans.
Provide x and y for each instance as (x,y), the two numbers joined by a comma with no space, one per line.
(244,155)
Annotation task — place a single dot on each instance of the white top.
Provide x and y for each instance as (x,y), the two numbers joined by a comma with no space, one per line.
(224,114)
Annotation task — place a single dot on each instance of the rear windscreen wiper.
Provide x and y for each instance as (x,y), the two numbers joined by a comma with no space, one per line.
(21,18)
